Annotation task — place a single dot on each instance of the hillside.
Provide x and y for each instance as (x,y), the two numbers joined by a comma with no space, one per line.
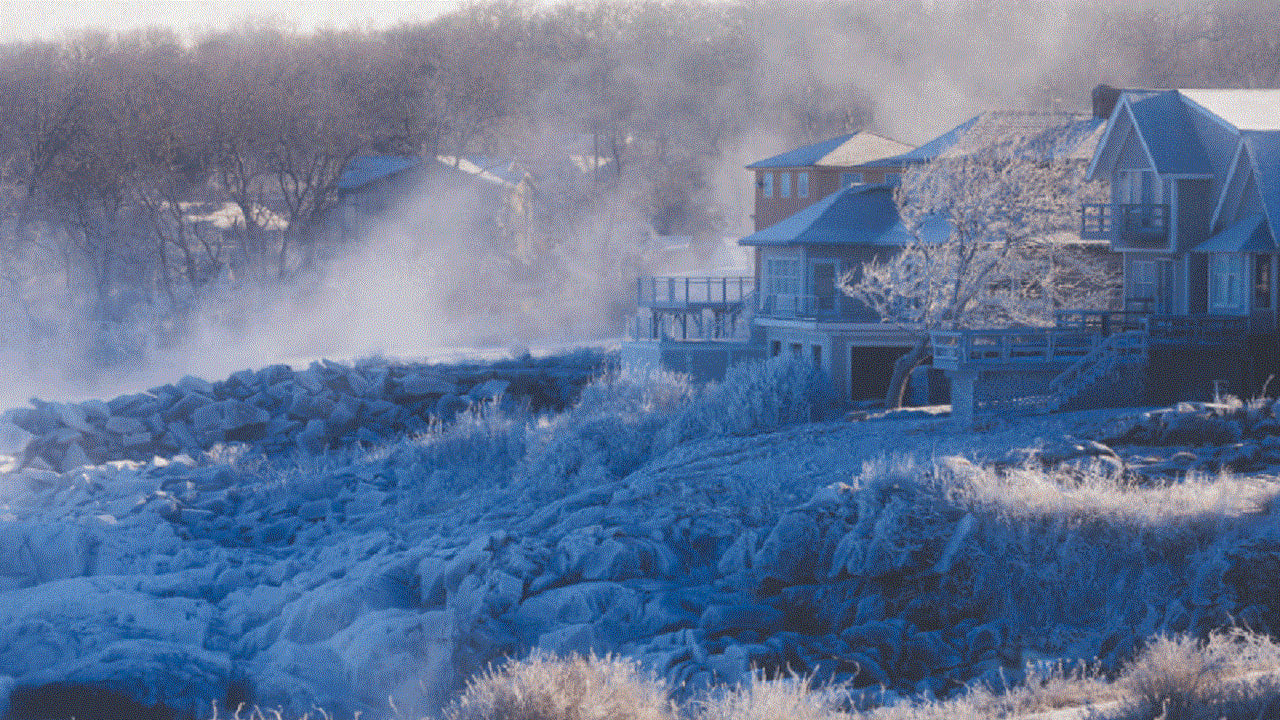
(320,538)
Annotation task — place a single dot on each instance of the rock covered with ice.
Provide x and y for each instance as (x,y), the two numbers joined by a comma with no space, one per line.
(276,538)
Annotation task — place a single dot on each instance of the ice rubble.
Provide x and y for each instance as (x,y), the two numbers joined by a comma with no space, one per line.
(181,571)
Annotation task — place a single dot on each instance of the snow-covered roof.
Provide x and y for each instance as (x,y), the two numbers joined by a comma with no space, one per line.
(1169,136)
(856,215)
(852,150)
(1242,109)
(1064,135)
(1247,235)
(931,149)
(364,169)
(499,171)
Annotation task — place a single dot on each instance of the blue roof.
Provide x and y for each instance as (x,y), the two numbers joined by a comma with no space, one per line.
(364,169)
(804,156)
(1247,235)
(1162,119)
(931,149)
(857,215)
(1265,148)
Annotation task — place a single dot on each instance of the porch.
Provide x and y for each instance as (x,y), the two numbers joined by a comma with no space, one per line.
(1089,359)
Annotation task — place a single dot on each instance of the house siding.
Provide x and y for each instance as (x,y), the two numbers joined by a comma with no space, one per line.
(822,182)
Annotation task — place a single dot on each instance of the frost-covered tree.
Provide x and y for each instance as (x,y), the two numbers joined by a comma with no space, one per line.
(994,223)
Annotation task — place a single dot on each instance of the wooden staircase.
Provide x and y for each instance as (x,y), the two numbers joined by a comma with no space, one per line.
(1105,363)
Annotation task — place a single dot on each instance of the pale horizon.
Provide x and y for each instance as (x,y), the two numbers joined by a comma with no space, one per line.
(51,20)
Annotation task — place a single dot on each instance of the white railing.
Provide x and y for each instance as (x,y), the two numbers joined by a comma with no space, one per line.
(680,292)
(961,347)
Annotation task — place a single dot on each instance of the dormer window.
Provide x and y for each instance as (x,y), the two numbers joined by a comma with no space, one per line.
(766,184)
(851,178)
(784,185)
(802,184)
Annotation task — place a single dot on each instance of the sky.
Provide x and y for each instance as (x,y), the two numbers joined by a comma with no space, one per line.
(53,19)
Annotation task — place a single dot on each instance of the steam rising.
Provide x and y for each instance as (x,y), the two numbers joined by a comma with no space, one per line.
(670,101)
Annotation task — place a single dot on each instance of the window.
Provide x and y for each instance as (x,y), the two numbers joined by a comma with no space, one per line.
(1142,281)
(784,185)
(797,349)
(1226,281)
(851,178)
(802,184)
(766,184)
(1262,281)
(817,356)
(782,276)
(775,348)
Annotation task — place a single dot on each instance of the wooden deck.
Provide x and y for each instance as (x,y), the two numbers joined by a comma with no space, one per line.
(1078,332)
(693,293)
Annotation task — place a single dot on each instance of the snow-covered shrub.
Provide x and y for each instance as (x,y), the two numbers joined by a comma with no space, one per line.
(790,697)
(609,433)
(1231,674)
(545,687)
(755,397)
(480,447)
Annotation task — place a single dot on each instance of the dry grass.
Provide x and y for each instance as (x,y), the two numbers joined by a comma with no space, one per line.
(544,687)
(1097,495)
(1230,675)
(792,698)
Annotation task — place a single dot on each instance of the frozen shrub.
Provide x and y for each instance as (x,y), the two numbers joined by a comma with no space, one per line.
(545,687)
(793,698)
(609,433)
(1231,674)
(755,397)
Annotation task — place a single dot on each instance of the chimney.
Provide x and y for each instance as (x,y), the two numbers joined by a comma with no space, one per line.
(1105,98)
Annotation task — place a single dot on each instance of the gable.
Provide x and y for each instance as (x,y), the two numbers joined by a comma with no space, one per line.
(1121,147)
(1168,135)
(1264,151)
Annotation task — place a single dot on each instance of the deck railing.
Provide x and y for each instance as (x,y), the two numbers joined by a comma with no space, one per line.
(1198,329)
(681,292)
(1107,322)
(960,347)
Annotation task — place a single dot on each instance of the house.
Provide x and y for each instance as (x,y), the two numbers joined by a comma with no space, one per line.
(813,195)
(375,189)
(792,302)
(1194,210)
(787,183)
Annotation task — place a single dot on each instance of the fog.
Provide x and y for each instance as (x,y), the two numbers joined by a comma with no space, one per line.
(672,100)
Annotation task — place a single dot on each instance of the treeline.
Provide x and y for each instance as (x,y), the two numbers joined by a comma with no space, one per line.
(117,152)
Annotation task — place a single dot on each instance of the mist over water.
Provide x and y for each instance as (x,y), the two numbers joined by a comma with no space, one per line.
(671,102)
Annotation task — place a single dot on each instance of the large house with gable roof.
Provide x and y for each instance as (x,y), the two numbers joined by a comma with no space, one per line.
(1194,213)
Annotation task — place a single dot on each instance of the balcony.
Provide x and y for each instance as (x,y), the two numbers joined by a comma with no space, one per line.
(1127,226)
(693,293)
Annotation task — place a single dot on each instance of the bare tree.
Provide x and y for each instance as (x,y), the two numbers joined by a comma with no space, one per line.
(991,223)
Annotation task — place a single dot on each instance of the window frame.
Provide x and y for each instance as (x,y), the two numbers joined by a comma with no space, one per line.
(1227,282)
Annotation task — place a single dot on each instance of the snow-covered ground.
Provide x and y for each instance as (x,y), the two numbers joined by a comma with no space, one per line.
(319,537)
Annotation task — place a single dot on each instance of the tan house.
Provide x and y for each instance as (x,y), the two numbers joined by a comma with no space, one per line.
(794,180)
